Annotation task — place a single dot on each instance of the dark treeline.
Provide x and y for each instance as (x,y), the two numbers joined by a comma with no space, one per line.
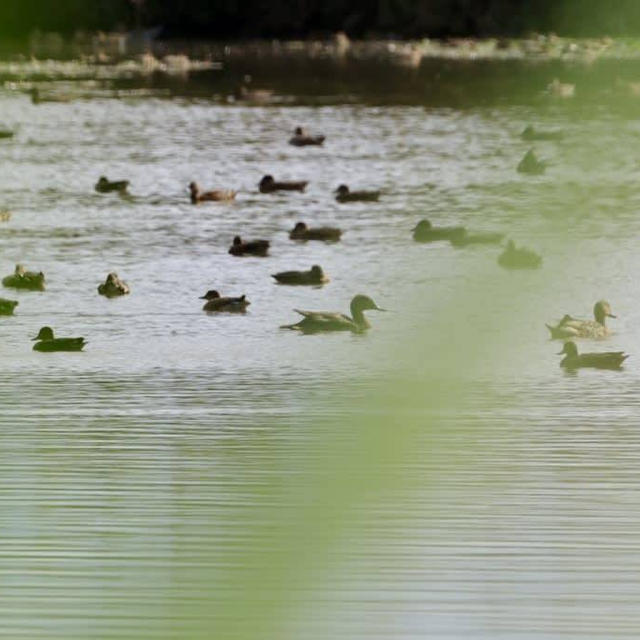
(295,18)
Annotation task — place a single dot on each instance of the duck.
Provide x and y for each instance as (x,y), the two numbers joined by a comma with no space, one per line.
(531,165)
(253,247)
(561,89)
(108,186)
(5,134)
(302,139)
(302,232)
(424,231)
(315,276)
(602,360)
(113,286)
(269,185)
(518,258)
(7,306)
(5,216)
(570,327)
(45,341)
(531,135)
(217,195)
(324,321)
(344,194)
(22,279)
(216,303)
(259,96)
(38,98)
(462,238)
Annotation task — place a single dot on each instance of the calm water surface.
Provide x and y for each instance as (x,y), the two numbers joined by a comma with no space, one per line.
(132,476)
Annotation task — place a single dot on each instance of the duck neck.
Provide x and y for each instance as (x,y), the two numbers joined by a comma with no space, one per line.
(600,316)
(358,317)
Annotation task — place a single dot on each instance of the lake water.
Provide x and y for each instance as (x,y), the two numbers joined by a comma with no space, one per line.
(191,475)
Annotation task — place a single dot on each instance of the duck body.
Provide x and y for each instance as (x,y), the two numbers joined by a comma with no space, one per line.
(110,186)
(344,194)
(531,165)
(215,303)
(269,185)
(22,279)
(253,247)
(519,258)
(425,232)
(315,276)
(603,360)
(216,195)
(302,139)
(7,306)
(5,134)
(532,135)
(45,341)
(326,321)
(462,238)
(326,234)
(595,329)
(113,287)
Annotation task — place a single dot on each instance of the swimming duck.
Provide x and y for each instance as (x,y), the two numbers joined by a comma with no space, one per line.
(343,194)
(531,165)
(259,96)
(253,247)
(7,306)
(425,232)
(113,287)
(570,327)
(206,196)
(518,258)
(319,321)
(561,89)
(216,303)
(38,98)
(462,238)
(302,139)
(530,134)
(603,360)
(108,186)
(315,275)
(22,279)
(45,341)
(5,134)
(302,232)
(269,185)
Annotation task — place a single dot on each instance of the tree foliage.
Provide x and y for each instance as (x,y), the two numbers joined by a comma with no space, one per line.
(295,18)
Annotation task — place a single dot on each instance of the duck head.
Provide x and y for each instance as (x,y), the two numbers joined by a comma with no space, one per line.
(267,181)
(300,227)
(317,271)
(569,349)
(298,131)
(363,303)
(212,294)
(423,225)
(237,241)
(102,181)
(342,190)
(45,333)
(19,270)
(602,311)
(193,187)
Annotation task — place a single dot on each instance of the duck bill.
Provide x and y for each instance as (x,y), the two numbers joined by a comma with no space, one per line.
(610,315)
(35,339)
(380,309)
(561,353)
